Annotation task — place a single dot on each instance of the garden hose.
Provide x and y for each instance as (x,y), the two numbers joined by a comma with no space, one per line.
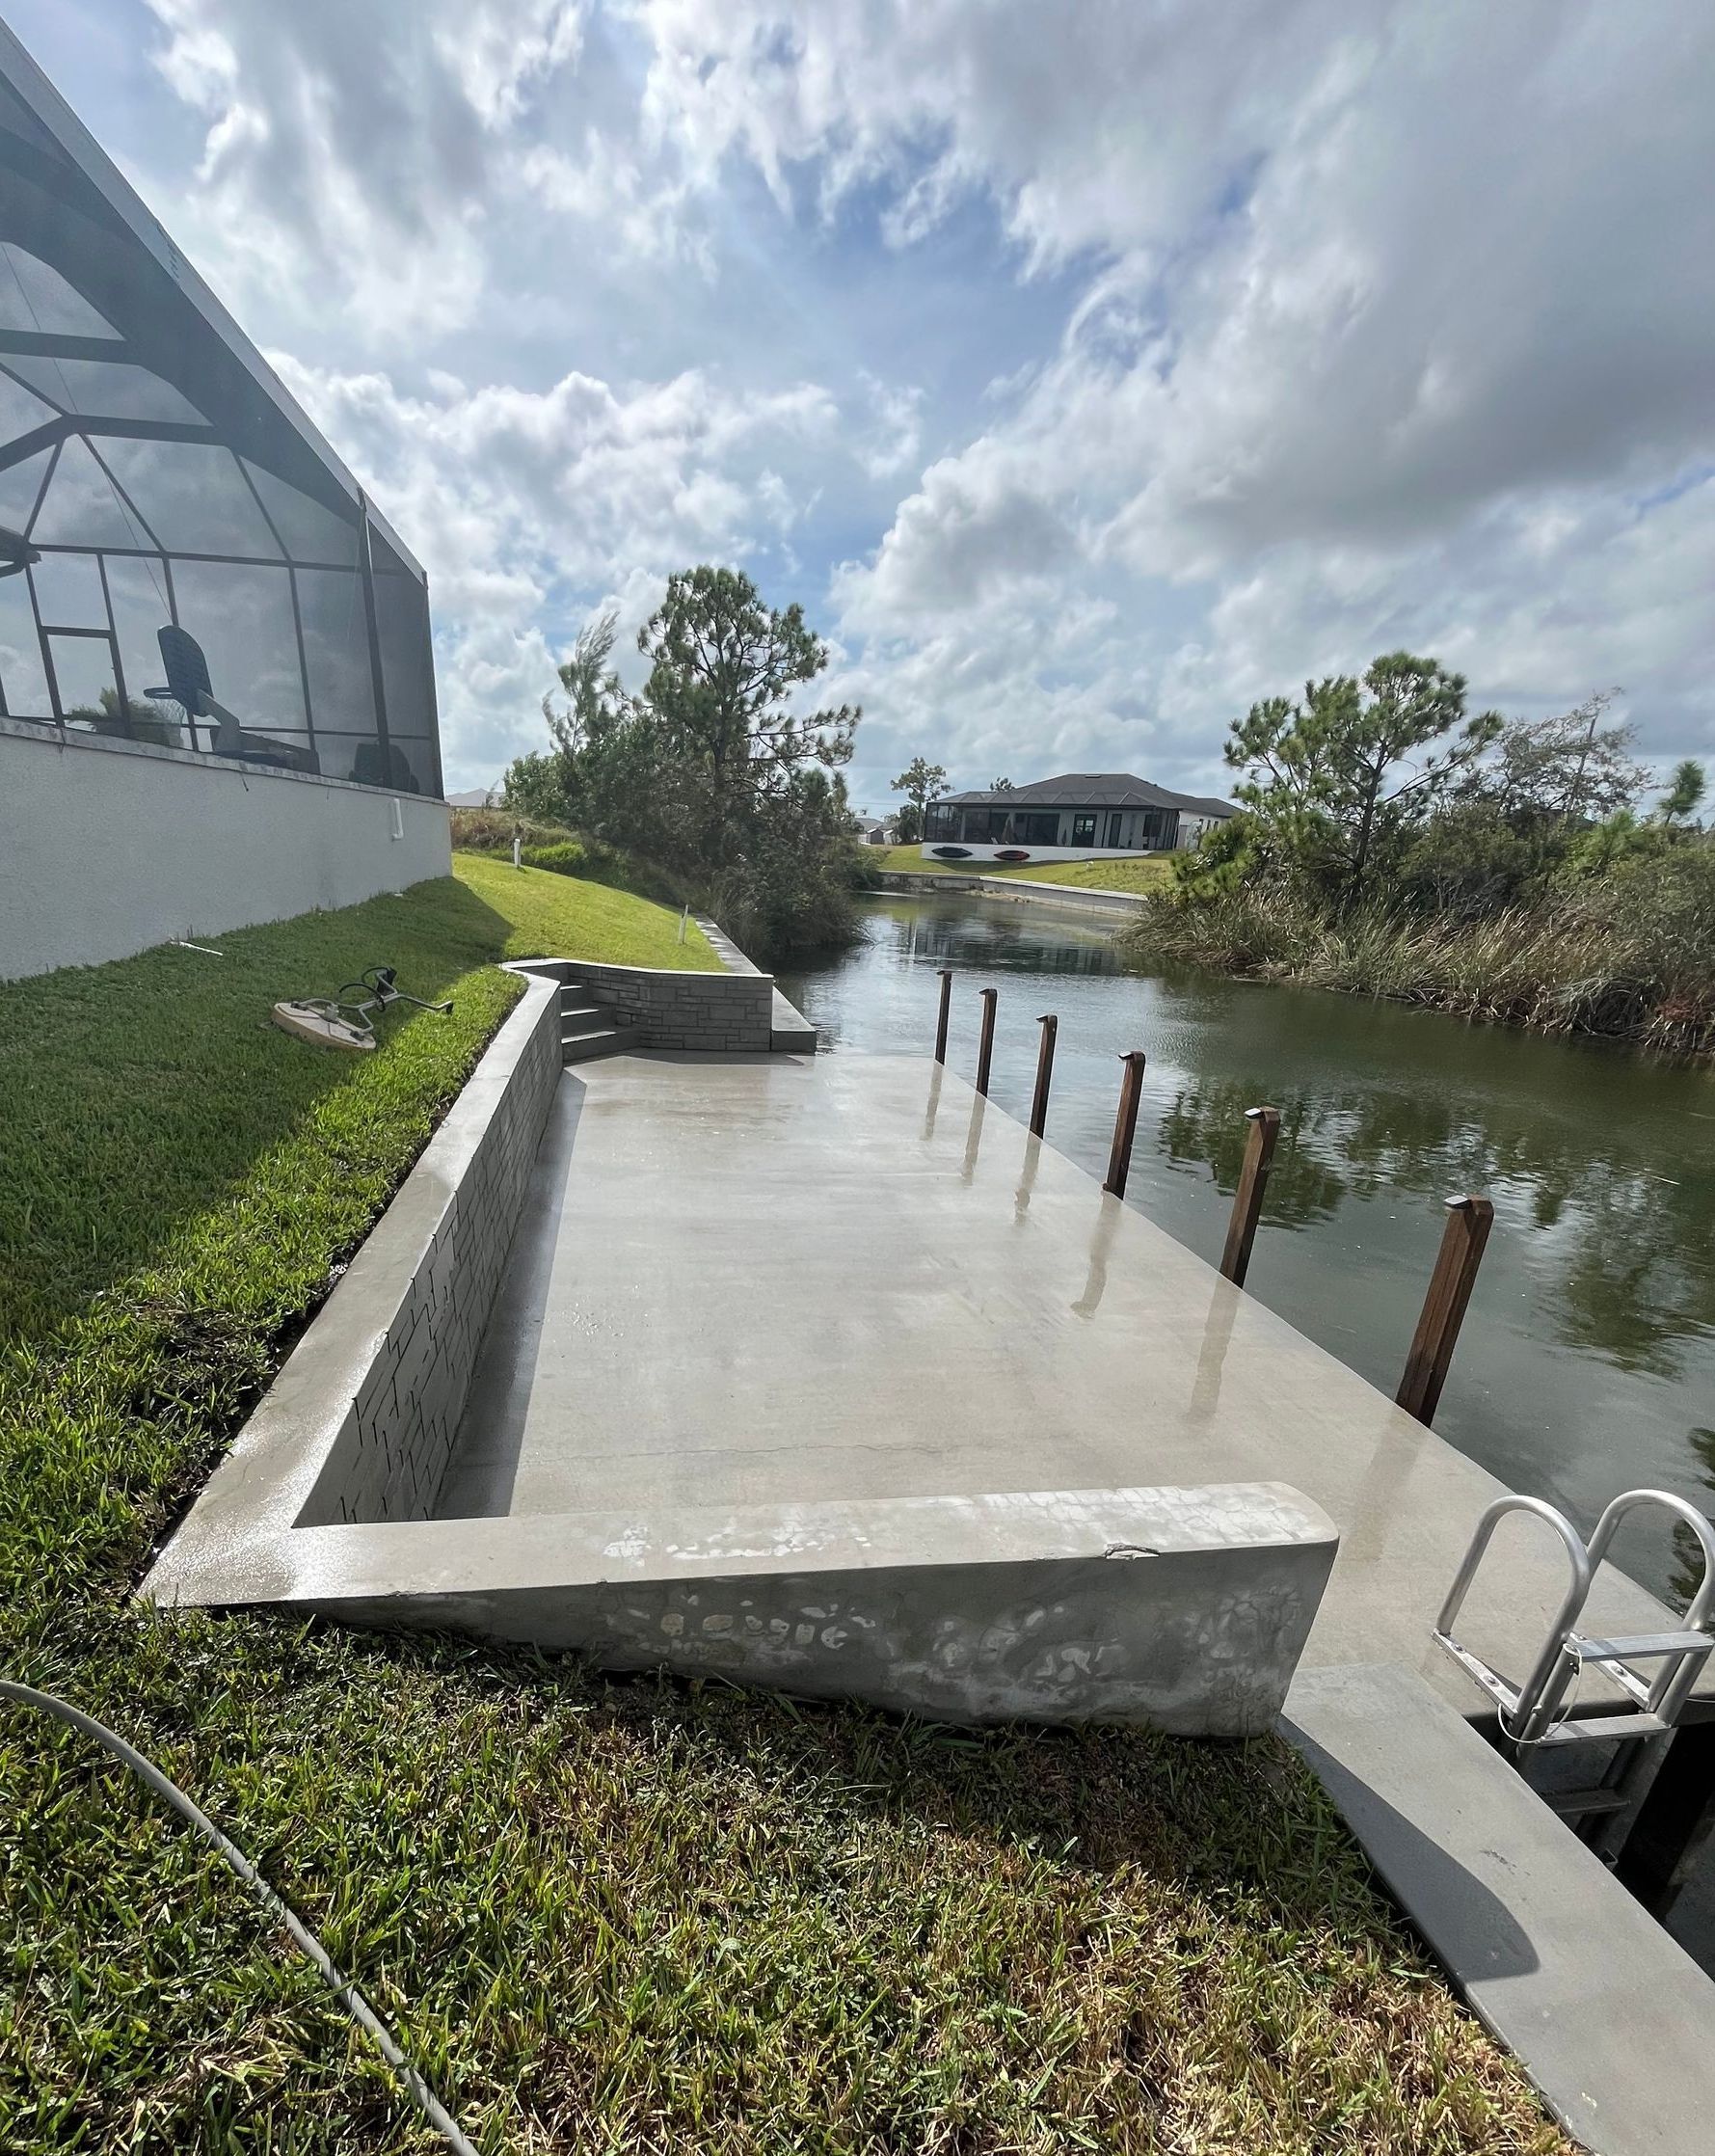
(341,1986)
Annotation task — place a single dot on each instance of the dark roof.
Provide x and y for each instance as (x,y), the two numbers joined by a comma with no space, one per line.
(1081,789)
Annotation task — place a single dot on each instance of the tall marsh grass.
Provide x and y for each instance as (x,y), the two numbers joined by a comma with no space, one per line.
(1632,958)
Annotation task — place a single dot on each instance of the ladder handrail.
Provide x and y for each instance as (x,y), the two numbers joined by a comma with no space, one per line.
(1572,1602)
(1667,1696)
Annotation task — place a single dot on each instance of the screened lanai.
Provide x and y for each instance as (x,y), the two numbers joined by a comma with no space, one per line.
(155,476)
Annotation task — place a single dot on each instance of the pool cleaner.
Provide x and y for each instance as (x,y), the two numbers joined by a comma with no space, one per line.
(346,1019)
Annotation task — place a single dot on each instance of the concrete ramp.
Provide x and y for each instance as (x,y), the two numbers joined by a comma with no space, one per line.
(1612,2021)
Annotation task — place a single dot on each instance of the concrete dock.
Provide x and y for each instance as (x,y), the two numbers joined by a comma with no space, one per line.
(768,1282)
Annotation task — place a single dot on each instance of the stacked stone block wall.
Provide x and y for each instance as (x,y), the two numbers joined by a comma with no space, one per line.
(713,1013)
(431,1269)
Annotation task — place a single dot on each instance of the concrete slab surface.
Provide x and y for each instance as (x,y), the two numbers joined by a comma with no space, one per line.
(765,1281)
(1612,2020)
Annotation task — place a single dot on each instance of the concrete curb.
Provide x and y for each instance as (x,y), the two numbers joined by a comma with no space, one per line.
(1613,2022)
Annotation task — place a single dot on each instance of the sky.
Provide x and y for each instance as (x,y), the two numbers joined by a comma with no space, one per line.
(1086,371)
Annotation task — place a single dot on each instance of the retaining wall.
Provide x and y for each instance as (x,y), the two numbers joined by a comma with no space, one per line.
(711,1013)
(361,1420)
(108,846)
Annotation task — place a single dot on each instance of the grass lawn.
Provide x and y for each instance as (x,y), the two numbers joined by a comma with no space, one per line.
(605,1916)
(1137,872)
(554,916)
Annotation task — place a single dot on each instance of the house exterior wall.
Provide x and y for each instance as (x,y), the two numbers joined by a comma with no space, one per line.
(1045,832)
(108,846)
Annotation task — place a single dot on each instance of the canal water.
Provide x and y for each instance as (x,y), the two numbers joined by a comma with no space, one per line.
(1586,1363)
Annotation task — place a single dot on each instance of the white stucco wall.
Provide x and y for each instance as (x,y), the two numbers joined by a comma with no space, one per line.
(108,846)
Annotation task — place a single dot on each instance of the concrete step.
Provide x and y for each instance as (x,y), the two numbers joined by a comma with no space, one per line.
(1610,2019)
(585,1017)
(790,1032)
(584,1047)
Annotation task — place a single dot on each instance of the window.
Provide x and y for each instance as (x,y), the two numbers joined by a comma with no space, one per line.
(1084,828)
(336,652)
(309,530)
(1116,823)
(22,683)
(242,617)
(191,496)
(88,684)
(68,592)
(159,479)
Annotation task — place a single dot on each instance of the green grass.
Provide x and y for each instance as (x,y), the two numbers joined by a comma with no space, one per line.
(607,1916)
(554,916)
(1138,872)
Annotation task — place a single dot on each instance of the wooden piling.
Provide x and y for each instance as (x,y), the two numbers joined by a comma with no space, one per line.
(1247,1198)
(985,1042)
(1468,1222)
(1050,1025)
(1125,1123)
(946,1008)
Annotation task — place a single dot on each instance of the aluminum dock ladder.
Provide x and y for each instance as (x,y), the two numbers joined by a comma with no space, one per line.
(1535,1715)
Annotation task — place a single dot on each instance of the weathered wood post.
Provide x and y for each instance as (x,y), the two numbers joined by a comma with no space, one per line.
(1468,1222)
(1125,1123)
(985,1044)
(1050,1025)
(1247,1198)
(946,1007)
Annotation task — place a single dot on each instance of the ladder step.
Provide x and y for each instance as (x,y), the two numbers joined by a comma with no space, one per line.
(1581,1804)
(1607,1729)
(1639,1649)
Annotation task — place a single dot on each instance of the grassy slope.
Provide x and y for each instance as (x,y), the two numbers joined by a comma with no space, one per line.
(1138,872)
(564,917)
(610,1917)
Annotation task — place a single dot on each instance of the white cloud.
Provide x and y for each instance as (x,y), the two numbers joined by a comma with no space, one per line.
(525,507)
(1354,325)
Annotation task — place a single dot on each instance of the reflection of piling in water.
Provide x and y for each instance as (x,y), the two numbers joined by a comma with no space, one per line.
(1027,1182)
(1101,1243)
(933,1103)
(1247,1198)
(972,1139)
(1044,1072)
(1218,1335)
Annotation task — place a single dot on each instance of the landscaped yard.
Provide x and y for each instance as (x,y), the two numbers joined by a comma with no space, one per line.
(605,1916)
(1136,871)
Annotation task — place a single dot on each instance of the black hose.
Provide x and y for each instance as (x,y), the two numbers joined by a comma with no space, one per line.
(341,1986)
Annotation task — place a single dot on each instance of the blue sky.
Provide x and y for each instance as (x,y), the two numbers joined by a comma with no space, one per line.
(1087,372)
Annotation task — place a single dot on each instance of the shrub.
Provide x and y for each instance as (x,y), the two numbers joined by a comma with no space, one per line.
(489,830)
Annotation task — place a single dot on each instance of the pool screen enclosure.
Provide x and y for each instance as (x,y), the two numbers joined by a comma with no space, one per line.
(155,476)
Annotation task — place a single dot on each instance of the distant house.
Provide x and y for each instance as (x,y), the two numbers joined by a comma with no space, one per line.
(479,797)
(867,830)
(1080,812)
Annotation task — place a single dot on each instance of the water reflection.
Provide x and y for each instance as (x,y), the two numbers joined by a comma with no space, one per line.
(1587,1359)
(1635,1249)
